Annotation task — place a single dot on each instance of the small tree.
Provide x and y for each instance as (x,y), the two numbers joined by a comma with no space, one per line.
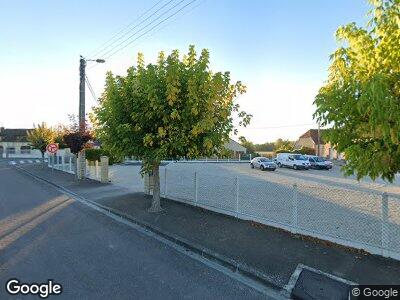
(247,144)
(361,99)
(175,108)
(74,138)
(40,137)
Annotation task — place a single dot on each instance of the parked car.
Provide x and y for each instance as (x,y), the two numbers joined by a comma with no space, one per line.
(291,160)
(263,164)
(318,162)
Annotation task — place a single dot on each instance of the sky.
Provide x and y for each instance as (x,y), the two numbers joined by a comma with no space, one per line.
(278,49)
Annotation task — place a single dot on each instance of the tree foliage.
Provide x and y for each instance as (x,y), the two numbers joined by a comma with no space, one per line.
(361,99)
(172,109)
(40,137)
(247,144)
(74,138)
(284,145)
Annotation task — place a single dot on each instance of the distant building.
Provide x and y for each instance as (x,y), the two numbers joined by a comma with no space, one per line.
(236,148)
(312,139)
(14,143)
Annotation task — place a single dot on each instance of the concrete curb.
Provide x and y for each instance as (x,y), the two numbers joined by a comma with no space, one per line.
(235,266)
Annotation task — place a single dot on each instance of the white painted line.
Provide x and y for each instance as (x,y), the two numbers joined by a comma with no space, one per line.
(29,161)
(288,288)
(12,162)
(21,162)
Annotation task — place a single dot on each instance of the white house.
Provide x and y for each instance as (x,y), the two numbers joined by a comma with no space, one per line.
(14,144)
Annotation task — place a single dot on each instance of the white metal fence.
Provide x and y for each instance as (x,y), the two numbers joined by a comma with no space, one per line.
(66,163)
(349,217)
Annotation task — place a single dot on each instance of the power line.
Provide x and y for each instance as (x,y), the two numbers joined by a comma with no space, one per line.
(90,88)
(159,23)
(137,31)
(115,38)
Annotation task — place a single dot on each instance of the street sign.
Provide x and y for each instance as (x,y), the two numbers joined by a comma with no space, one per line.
(52,148)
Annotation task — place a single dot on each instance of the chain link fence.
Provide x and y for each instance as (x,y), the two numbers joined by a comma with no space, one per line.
(364,220)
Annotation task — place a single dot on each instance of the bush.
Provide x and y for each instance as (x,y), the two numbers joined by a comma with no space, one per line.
(302,150)
(94,154)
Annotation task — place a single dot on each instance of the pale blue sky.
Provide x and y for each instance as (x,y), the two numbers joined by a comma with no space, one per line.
(280,49)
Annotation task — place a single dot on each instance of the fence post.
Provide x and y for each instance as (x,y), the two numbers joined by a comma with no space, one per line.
(81,165)
(237,195)
(196,188)
(70,163)
(165,181)
(385,222)
(103,169)
(250,156)
(294,212)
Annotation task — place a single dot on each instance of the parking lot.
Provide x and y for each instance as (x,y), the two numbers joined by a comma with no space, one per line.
(129,177)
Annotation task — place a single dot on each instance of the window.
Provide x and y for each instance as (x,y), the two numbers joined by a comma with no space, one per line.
(10,150)
(25,150)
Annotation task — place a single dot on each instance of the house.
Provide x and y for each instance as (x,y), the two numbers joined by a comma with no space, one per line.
(312,139)
(14,144)
(237,149)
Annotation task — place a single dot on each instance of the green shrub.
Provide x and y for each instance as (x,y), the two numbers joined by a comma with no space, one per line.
(93,154)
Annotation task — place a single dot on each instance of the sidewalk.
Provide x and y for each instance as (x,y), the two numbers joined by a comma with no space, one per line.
(271,251)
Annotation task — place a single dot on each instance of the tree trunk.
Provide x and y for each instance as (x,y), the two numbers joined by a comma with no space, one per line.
(155,204)
(42,160)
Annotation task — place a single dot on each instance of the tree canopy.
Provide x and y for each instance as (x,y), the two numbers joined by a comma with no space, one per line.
(40,137)
(361,98)
(172,109)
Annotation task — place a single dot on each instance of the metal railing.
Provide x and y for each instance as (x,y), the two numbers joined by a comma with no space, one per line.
(350,217)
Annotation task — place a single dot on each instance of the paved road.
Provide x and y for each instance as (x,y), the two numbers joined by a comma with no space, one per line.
(47,235)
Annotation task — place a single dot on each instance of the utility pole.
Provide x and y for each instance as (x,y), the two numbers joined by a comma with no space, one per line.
(318,146)
(82,80)
(82,113)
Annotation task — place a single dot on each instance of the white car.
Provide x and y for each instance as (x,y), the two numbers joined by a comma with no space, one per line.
(292,160)
(263,164)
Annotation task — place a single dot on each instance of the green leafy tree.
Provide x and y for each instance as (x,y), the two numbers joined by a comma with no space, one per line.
(361,99)
(247,144)
(40,137)
(284,145)
(172,109)
(74,138)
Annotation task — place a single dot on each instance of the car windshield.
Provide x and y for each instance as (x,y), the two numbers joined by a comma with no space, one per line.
(319,159)
(264,159)
(299,157)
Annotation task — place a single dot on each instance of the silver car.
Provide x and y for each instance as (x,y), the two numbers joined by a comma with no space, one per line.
(263,163)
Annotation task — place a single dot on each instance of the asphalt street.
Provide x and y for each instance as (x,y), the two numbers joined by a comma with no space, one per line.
(45,234)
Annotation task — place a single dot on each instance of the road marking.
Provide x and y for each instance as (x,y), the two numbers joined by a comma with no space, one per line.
(288,288)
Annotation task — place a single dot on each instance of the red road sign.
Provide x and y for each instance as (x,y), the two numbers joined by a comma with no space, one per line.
(52,148)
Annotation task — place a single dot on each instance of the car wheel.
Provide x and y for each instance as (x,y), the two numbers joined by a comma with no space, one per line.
(252,166)
(294,167)
(262,168)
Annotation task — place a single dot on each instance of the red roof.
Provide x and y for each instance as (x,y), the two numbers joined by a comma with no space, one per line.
(313,134)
